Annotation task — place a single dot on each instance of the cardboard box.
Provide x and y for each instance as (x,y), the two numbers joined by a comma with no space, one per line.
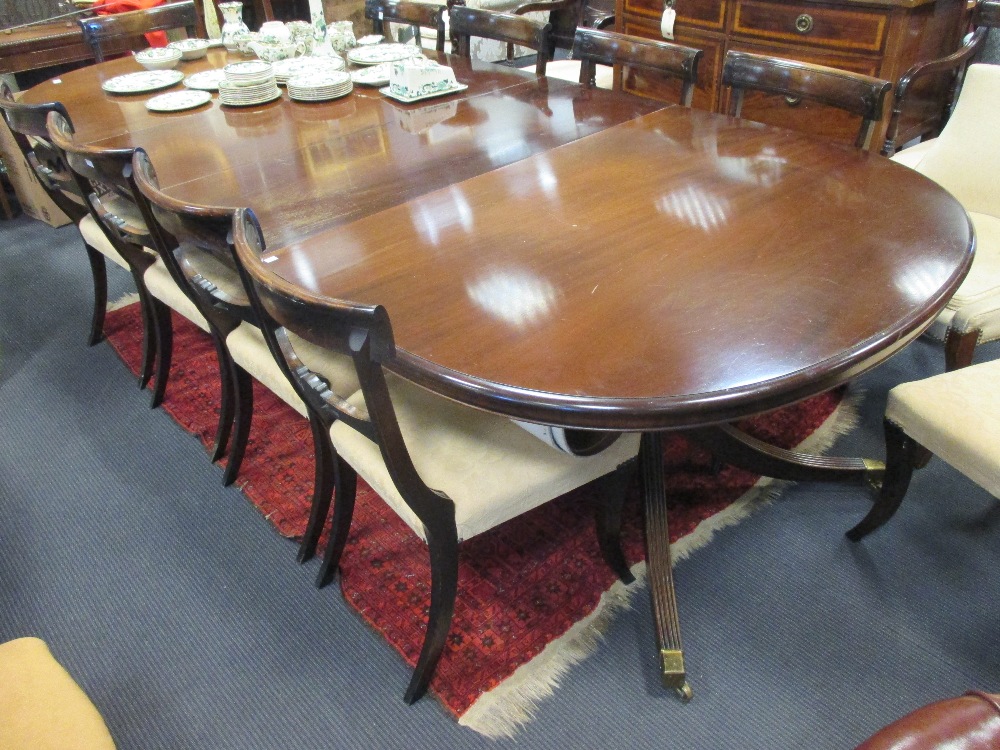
(30,194)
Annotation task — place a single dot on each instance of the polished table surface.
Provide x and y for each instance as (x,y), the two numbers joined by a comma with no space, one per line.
(576,257)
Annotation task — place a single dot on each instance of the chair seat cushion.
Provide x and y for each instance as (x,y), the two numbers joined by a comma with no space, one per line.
(161,285)
(569,70)
(984,276)
(955,415)
(41,707)
(249,350)
(491,469)
(96,239)
(912,156)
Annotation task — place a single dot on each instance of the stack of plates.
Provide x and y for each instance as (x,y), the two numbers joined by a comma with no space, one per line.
(248,83)
(319,86)
(293,66)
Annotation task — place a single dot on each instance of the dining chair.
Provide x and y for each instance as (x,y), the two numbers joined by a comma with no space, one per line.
(194,243)
(908,95)
(504,27)
(851,92)
(412,14)
(594,47)
(965,160)
(130,26)
(27,121)
(99,176)
(449,471)
(955,415)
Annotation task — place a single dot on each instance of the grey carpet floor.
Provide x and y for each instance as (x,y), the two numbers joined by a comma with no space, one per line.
(188,622)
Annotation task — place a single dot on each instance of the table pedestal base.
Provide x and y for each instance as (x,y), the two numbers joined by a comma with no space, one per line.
(733,446)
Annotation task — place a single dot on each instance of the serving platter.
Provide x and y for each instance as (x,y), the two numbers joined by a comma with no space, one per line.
(382,53)
(376,75)
(432,95)
(139,83)
(177,101)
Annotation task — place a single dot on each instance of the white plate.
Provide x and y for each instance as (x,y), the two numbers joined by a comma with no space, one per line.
(250,103)
(432,95)
(251,69)
(206,80)
(177,101)
(377,75)
(138,83)
(381,53)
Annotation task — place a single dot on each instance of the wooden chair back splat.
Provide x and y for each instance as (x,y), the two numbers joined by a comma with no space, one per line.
(416,14)
(593,47)
(132,25)
(505,27)
(852,92)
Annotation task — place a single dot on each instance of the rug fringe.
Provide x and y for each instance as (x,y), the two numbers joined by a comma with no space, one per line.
(125,300)
(511,704)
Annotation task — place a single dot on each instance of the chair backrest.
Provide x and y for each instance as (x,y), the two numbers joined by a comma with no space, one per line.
(131,25)
(986,16)
(28,121)
(361,332)
(194,243)
(466,23)
(416,14)
(852,92)
(593,47)
(965,158)
(99,174)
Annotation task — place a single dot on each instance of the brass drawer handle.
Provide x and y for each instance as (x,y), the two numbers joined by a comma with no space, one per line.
(804,23)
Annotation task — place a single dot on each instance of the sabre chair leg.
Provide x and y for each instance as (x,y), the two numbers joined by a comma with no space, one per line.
(613,489)
(149,332)
(164,336)
(323,488)
(442,543)
(227,397)
(902,452)
(99,272)
(243,385)
(345,488)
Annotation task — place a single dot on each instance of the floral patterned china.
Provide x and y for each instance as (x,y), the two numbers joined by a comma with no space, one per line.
(138,83)
(410,99)
(190,49)
(158,58)
(206,80)
(376,75)
(374,54)
(177,101)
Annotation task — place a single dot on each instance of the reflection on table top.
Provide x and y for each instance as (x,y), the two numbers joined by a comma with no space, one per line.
(573,257)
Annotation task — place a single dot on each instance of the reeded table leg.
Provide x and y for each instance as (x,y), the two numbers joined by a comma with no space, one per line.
(658,563)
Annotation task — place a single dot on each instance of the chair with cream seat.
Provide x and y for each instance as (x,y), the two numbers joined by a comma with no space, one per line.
(857,94)
(594,47)
(955,415)
(467,23)
(416,15)
(909,95)
(448,470)
(28,121)
(965,160)
(98,173)
(194,244)
(41,707)
(99,31)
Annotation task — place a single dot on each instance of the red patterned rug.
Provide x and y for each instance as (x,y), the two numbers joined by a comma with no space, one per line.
(533,593)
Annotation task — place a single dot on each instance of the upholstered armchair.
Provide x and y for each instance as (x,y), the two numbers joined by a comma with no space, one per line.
(965,161)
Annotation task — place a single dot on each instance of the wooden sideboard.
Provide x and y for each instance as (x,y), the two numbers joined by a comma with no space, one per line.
(879,37)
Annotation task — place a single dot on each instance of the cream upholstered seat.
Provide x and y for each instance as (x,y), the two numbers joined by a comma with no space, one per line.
(965,161)
(41,707)
(448,470)
(469,456)
(955,415)
(193,247)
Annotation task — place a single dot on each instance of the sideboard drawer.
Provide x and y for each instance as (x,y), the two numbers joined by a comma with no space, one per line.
(842,29)
(700,14)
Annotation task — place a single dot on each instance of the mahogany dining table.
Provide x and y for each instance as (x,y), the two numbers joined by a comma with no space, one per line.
(576,257)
